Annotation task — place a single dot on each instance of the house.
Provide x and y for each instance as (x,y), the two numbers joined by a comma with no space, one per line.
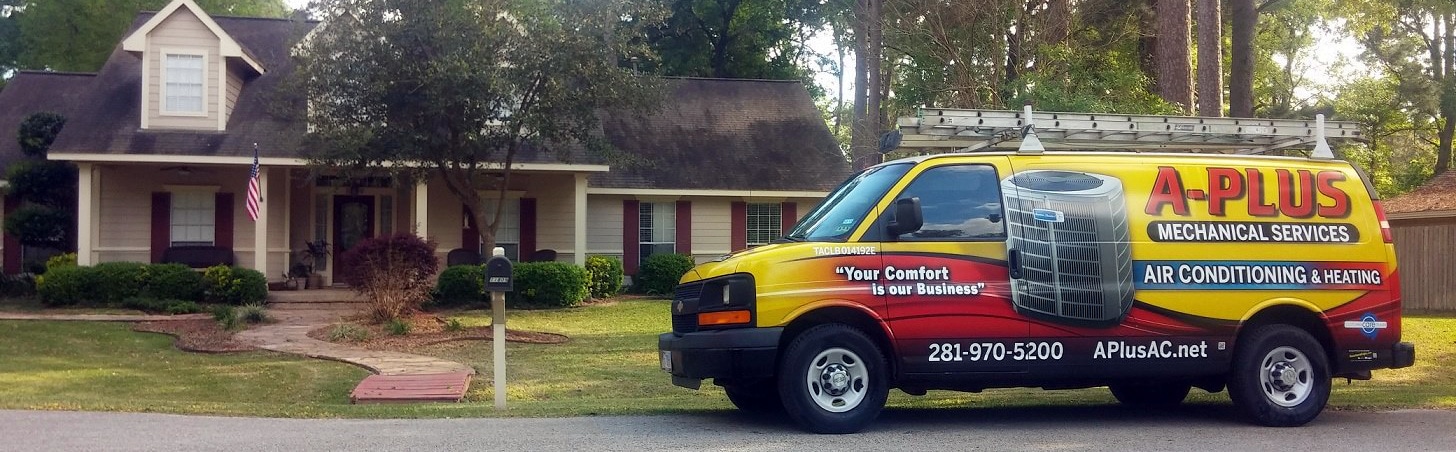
(1423,226)
(164,136)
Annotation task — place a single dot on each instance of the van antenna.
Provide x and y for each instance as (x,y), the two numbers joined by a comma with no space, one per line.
(1030,144)
(1321,147)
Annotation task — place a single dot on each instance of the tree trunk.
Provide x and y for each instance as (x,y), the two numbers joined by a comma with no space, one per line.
(839,100)
(858,140)
(1241,70)
(872,104)
(1174,65)
(1210,58)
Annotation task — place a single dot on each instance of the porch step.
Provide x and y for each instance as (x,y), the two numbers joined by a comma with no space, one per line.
(314,296)
(351,306)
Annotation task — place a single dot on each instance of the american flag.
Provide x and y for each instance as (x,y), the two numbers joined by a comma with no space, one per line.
(255,194)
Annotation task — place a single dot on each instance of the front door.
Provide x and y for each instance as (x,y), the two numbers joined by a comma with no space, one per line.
(353,222)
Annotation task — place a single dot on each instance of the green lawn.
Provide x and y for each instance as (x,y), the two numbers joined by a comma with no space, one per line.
(608,367)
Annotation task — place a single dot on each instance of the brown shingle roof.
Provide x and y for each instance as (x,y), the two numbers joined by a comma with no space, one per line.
(1439,193)
(710,134)
(727,134)
(34,91)
(111,124)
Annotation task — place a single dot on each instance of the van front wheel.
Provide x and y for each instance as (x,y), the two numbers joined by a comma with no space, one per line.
(833,379)
(1281,377)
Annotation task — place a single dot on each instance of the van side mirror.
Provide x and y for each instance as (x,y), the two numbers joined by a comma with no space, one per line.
(907,217)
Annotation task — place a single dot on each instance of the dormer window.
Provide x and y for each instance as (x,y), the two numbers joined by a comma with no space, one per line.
(184,84)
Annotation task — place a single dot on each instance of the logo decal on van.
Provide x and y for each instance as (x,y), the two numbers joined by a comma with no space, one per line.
(1369,325)
(1048,215)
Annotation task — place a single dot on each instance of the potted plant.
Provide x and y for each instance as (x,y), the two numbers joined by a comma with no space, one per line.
(297,276)
(317,253)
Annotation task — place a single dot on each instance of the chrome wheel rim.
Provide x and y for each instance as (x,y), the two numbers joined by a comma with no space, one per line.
(1286,376)
(837,380)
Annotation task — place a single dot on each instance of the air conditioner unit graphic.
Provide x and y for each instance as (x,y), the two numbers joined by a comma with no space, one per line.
(1071,229)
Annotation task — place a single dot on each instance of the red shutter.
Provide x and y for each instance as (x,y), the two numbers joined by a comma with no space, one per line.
(684,214)
(788,215)
(739,226)
(12,245)
(161,224)
(528,228)
(630,222)
(469,234)
(223,220)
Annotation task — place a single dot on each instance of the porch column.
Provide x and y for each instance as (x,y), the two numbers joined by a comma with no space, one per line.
(422,211)
(260,227)
(579,243)
(86,214)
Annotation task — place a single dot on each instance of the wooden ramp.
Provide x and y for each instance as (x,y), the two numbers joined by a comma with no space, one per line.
(448,387)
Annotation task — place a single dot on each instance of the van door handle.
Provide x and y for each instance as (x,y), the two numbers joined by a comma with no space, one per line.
(1013,263)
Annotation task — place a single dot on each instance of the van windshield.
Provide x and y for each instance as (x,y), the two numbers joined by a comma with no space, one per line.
(839,214)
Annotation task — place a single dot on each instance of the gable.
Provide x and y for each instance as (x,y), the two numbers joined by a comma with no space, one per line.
(228,47)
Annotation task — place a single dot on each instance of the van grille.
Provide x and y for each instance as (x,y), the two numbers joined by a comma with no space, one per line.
(686,319)
(1081,267)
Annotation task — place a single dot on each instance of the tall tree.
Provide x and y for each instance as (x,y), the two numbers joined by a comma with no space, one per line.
(735,38)
(1210,58)
(78,35)
(455,90)
(1173,64)
(1414,42)
(1241,68)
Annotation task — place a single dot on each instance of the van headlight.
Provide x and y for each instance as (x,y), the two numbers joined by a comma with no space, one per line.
(727,301)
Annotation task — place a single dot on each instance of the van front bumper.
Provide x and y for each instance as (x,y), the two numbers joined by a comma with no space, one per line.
(736,354)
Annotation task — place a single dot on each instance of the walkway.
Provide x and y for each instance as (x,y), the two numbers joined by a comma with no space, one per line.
(102,317)
(401,376)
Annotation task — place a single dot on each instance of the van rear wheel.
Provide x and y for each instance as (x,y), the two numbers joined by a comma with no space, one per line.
(1155,394)
(833,379)
(1281,377)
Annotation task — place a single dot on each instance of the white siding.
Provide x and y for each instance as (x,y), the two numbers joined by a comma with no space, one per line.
(555,213)
(604,225)
(183,31)
(712,227)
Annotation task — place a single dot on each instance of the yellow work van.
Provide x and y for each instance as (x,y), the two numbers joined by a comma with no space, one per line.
(1150,274)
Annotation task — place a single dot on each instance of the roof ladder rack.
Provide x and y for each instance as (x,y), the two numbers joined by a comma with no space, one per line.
(940,130)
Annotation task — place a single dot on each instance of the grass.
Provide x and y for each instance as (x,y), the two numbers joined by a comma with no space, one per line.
(32,305)
(610,366)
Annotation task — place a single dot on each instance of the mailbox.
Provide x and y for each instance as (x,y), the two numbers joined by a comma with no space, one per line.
(498,274)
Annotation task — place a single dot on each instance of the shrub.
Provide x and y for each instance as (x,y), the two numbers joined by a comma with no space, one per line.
(398,327)
(253,313)
(460,284)
(173,281)
(123,280)
(454,324)
(60,260)
(225,316)
(16,285)
(660,273)
(233,285)
(347,332)
(70,286)
(182,307)
(393,273)
(604,275)
(548,284)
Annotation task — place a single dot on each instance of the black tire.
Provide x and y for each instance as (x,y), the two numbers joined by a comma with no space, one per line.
(759,397)
(1156,394)
(833,379)
(1280,376)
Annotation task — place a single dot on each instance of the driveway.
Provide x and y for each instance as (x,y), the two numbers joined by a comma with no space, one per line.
(1039,429)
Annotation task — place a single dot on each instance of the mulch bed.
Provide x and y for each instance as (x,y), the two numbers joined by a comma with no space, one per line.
(426,329)
(202,336)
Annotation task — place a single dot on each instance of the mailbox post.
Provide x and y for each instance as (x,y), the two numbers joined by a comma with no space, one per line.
(498,281)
